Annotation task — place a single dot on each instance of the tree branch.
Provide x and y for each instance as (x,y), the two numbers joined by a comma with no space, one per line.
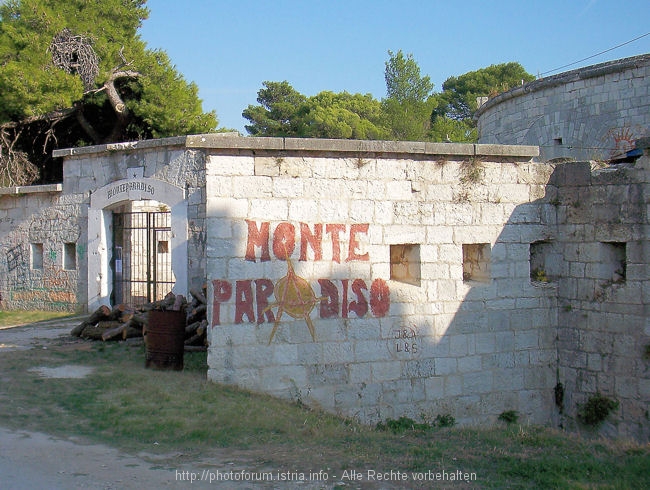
(86,126)
(15,167)
(120,108)
(113,96)
(53,116)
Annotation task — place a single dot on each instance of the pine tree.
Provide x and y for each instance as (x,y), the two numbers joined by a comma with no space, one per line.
(75,72)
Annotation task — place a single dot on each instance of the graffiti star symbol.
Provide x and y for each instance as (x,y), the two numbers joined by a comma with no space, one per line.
(295,297)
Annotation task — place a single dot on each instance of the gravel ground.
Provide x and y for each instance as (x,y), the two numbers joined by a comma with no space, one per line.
(30,460)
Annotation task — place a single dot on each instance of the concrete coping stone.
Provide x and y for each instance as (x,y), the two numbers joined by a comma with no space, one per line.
(113,147)
(233,141)
(31,189)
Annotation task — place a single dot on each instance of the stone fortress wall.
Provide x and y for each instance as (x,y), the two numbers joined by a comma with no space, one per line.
(592,113)
(373,279)
(42,237)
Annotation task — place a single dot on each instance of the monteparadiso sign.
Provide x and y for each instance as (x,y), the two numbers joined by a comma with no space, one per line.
(128,187)
(266,300)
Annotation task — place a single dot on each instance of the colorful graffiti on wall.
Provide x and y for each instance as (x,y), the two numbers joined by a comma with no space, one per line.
(622,140)
(284,241)
(32,271)
(294,295)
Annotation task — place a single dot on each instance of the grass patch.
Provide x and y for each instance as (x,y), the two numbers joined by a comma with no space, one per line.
(20,317)
(137,409)
(596,409)
(509,416)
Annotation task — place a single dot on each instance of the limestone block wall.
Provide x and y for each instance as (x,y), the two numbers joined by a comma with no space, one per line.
(42,249)
(604,322)
(373,279)
(592,113)
(381,279)
(163,170)
(55,248)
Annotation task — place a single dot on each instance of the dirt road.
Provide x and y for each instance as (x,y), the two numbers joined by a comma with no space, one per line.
(30,460)
(38,461)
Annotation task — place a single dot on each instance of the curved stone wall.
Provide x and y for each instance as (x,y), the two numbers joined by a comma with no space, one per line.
(593,113)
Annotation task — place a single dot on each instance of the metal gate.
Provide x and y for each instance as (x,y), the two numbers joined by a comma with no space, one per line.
(142,265)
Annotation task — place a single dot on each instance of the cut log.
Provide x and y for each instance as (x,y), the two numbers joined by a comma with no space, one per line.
(163,304)
(198,295)
(114,333)
(95,332)
(191,329)
(195,348)
(101,313)
(179,303)
(126,316)
(195,340)
(130,331)
(156,305)
(197,314)
(76,331)
(169,300)
(201,330)
(117,312)
(139,320)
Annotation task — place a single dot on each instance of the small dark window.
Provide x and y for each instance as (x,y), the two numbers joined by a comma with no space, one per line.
(70,256)
(405,263)
(545,261)
(476,262)
(613,261)
(557,141)
(36,259)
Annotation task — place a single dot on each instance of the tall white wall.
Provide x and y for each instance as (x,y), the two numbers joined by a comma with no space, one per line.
(604,320)
(441,342)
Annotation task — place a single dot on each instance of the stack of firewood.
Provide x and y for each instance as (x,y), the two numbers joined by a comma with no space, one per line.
(123,322)
(196,331)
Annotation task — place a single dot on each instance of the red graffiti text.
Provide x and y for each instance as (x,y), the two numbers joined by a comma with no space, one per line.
(346,298)
(285,238)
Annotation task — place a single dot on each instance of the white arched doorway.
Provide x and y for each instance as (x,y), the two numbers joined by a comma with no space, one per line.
(115,198)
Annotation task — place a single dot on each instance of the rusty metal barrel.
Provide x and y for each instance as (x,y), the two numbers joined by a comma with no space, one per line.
(165,339)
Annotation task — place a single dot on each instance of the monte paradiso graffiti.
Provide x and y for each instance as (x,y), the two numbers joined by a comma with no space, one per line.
(272,299)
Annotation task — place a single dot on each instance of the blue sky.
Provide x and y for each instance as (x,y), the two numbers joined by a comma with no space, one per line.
(229,48)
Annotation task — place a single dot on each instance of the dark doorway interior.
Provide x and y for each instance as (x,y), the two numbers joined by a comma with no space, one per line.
(141,264)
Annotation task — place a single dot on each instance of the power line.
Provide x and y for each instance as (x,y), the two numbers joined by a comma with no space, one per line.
(597,54)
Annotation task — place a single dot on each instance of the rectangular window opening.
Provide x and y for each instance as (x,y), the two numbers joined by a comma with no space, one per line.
(476,262)
(70,256)
(163,247)
(557,141)
(613,262)
(36,256)
(405,263)
(545,261)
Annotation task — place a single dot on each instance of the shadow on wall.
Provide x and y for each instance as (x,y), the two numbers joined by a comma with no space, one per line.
(602,298)
(559,321)
(466,322)
(486,344)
